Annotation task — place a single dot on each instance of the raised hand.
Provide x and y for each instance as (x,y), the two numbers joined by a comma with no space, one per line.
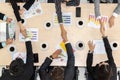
(111,21)
(9,41)
(56,53)
(91,46)
(63,33)
(8,20)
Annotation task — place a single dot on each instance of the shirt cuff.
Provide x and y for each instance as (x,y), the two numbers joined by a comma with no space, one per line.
(5,18)
(50,58)
(60,23)
(3,44)
(90,51)
(67,42)
(115,14)
(27,39)
(104,36)
(99,17)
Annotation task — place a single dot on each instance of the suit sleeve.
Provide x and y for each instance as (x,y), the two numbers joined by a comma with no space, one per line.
(58,10)
(16,10)
(29,53)
(110,58)
(2,45)
(89,62)
(117,9)
(108,50)
(28,4)
(97,8)
(42,71)
(70,68)
(2,16)
(29,61)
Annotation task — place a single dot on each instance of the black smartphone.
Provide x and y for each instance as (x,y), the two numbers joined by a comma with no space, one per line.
(36,59)
(78,11)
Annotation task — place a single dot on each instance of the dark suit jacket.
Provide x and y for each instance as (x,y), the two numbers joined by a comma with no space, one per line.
(93,70)
(1,45)
(28,67)
(69,70)
(18,0)
(2,16)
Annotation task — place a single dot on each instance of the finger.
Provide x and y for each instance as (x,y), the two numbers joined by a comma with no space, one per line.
(94,46)
(88,42)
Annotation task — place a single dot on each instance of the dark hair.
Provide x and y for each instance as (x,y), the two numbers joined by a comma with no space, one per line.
(104,72)
(57,73)
(16,67)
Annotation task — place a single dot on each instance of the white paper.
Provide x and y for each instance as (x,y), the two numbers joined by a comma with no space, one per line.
(19,55)
(32,33)
(11,28)
(3,31)
(99,47)
(67,19)
(94,23)
(35,10)
(63,55)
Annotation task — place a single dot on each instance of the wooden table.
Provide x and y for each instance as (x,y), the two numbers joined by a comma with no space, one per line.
(52,36)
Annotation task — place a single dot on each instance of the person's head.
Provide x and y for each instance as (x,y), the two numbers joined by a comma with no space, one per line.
(57,73)
(104,71)
(16,67)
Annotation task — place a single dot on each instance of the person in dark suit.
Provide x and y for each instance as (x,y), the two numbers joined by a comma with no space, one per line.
(8,20)
(5,18)
(114,15)
(17,69)
(58,7)
(70,68)
(105,70)
(18,0)
(26,6)
(18,11)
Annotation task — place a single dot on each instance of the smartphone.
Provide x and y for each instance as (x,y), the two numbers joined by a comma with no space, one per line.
(78,11)
(36,59)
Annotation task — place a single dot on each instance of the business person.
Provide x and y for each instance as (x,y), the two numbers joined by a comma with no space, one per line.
(105,70)
(70,68)
(17,69)
(115,13)
(58,7)
(5,18)
(8,20)
(17,14)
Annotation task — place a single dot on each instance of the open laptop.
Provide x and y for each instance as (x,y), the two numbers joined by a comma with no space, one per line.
(7,31)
